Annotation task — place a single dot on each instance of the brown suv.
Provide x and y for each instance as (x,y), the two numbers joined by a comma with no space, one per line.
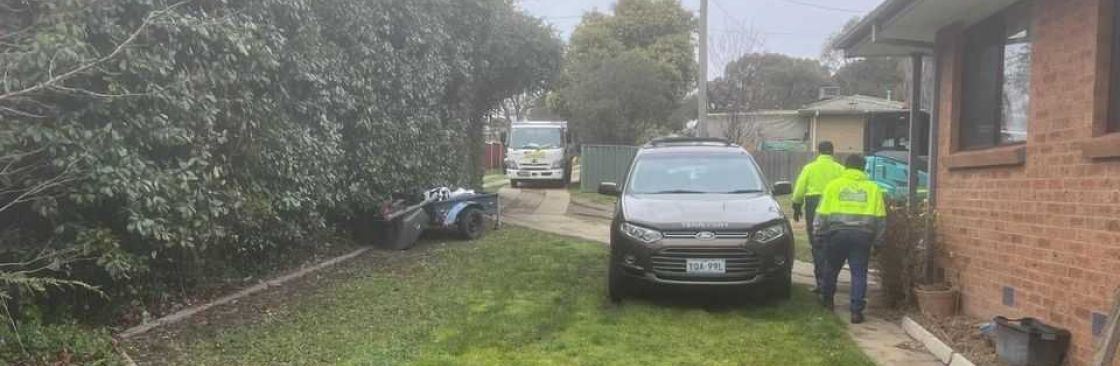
(698,212)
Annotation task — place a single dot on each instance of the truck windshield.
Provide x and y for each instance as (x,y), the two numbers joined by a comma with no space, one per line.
(536,138)
(696,174)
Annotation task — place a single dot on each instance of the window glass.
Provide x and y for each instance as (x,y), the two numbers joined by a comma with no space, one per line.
(1114,106)
(536,138)
(996,80)
(1016,77)
(705,173)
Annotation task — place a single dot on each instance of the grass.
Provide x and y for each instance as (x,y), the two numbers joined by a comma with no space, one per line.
(517,297)
(802,250)
(494,179)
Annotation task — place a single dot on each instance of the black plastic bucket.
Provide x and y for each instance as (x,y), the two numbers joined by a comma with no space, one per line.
(1030,342)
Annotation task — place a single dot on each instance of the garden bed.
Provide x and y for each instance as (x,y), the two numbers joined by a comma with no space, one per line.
(962,333)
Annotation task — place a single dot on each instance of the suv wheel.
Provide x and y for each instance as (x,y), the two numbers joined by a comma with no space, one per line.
(780,289)
(514,183)
(616,283)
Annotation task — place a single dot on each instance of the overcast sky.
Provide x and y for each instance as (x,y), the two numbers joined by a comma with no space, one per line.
(793,27)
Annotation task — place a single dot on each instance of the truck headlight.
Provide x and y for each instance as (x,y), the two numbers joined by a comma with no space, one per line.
(559,164)
(769,233)
(640,233)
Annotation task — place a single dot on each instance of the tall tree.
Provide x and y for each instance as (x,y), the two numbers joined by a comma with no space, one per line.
(878,77)
(520,58)
(628,71)
(761,81)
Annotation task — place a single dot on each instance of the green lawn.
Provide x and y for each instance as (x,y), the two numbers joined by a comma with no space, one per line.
(494,179)
(801,250)
(517,297)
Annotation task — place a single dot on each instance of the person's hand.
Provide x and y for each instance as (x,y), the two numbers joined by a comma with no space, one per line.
(796,212)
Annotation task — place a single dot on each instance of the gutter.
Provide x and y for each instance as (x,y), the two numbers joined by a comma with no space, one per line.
(868,27)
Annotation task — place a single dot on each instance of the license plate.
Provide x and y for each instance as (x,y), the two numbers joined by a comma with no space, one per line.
(534,155)
(706,265)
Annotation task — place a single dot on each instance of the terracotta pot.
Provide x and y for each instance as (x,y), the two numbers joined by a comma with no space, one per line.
(937,302)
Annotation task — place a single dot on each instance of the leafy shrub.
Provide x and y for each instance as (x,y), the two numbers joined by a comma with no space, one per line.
(221,130)
(62,345)
(901,256)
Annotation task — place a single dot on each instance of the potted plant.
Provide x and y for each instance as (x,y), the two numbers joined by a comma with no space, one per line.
(937,300)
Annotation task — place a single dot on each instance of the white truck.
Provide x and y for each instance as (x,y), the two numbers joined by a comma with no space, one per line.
(539,151)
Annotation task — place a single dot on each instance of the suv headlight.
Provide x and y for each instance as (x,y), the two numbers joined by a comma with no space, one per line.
(640,233)
(769,234)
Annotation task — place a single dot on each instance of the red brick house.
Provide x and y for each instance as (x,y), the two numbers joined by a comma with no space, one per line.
(1026,148)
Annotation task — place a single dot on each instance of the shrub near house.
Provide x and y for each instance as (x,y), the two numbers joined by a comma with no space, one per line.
(224,135)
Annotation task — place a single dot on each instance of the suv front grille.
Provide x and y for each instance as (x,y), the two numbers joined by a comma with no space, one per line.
(741,263)
(719,234)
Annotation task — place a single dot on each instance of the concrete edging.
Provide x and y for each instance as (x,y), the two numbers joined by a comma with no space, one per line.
(938,348)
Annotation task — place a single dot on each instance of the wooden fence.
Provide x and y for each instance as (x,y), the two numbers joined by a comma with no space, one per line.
(786,165)
(611,163)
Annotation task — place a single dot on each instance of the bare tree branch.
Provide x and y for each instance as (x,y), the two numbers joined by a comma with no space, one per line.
(80,69)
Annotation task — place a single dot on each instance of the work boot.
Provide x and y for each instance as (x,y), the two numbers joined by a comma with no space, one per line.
(827,304)
(857,318)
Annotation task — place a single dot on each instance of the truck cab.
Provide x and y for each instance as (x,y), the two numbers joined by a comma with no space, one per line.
(539,151)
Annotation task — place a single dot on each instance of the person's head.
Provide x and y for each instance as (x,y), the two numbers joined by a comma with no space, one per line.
(825,148)
(855,162)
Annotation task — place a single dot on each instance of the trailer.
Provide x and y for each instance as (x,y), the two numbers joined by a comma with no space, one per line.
(466,214)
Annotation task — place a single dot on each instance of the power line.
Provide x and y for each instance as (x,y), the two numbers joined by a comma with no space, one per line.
(824,7)
(732,18)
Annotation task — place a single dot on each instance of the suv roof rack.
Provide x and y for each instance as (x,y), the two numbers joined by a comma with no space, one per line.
(662,141)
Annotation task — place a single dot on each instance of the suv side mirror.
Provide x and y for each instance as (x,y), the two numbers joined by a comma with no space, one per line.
(609,189)
(782,188)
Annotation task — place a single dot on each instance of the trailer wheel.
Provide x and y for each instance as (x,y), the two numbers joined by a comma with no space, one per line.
(472,224)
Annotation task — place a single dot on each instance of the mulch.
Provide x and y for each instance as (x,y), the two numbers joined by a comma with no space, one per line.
(962,333)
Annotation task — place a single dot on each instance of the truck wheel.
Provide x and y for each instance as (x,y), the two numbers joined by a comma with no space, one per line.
(616,283)
(567,176)
(514,183)
(472,224)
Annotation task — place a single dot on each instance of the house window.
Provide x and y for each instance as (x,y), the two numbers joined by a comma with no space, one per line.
(1114,102)
(997,79)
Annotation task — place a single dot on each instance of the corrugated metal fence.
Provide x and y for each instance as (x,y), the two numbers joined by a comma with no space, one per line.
(611,163)
(604,163)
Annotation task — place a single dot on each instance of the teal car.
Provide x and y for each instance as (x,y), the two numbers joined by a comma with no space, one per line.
(890,169)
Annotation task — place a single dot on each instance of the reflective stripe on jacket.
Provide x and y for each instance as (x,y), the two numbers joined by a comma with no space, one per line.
(851,202)
(815,176)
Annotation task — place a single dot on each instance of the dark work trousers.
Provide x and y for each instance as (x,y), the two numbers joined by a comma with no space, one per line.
(854,247)
(819,257)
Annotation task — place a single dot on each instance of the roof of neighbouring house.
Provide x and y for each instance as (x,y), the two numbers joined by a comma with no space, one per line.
(853,104)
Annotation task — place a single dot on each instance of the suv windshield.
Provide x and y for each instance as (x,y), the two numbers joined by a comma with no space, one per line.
(536,138)
(681,174)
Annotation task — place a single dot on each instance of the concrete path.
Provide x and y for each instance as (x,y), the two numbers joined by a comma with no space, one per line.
(548,210)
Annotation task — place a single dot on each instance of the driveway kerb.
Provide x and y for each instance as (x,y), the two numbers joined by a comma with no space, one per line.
(935,345)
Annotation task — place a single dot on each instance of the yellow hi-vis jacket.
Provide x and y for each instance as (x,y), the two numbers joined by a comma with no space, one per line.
(851,202)
(815,176)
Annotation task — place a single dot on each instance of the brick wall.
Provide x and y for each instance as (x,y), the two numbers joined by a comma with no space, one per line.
(1049,229)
